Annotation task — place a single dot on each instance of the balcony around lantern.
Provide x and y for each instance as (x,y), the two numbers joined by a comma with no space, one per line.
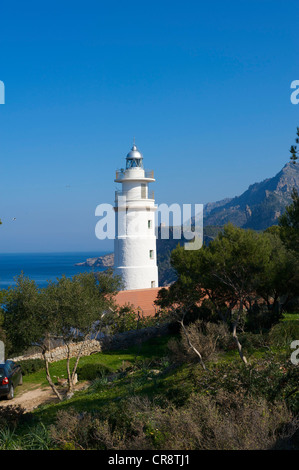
(142,197)
(134,174)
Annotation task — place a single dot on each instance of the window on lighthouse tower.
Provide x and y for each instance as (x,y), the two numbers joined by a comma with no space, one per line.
(134,163)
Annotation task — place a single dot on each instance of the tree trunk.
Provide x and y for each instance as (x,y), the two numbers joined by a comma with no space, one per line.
(239,346)
(49,379)
(69,375)
(191,345)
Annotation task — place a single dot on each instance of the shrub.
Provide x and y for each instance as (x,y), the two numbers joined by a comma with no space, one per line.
(261,318)
(11,416)
(224,422)
(269,379)
(253,341)
(282,334)
(205,337)
(92,371)
(129,319)
(206,312)
(29,366)
(72,430)
(292,306)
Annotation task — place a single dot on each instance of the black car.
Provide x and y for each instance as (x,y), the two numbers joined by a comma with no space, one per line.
(10,377)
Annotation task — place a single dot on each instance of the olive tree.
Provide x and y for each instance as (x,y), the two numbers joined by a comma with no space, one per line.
(68,311)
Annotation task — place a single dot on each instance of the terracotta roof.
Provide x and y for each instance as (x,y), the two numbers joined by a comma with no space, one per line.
(139,298)
(143,299)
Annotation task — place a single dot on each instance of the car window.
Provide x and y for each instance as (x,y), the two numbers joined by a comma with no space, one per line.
(2,372)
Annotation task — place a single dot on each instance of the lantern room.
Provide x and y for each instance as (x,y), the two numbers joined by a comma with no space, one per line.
(134,159)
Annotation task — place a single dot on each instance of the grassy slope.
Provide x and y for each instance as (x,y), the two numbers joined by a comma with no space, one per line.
(113,359)
(147,360)
(150,353)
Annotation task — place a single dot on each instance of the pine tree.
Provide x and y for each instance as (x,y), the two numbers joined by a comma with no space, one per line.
(293,150)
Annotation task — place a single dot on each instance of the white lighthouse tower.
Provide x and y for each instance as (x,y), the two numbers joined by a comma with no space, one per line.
(135,257)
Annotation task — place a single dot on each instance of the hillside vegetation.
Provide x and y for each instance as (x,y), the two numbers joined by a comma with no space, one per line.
(158,397)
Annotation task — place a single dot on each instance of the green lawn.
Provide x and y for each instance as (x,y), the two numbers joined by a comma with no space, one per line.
(150,350)
(290,317)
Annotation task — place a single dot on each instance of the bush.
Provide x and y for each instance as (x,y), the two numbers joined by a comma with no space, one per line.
(73,431)
(270,379)
(224,422)
(205,337)
(261,318)
(292,306)
(282,335)
(206,312)
(11,416)
(92,371)
(29,366)
(252,341)
(129,319)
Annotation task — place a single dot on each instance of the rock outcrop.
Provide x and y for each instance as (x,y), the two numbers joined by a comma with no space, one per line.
(259,206)
(105,261)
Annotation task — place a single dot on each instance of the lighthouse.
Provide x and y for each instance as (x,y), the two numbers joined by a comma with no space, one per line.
(135,255)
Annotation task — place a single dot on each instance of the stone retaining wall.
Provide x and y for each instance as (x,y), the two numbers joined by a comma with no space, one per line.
(115,342)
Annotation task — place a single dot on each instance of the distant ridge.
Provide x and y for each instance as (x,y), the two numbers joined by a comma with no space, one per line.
(259,206)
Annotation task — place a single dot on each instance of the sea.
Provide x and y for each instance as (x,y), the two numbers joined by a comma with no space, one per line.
(43,267)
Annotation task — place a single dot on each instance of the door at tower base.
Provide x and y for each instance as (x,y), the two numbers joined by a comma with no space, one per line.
(138,277)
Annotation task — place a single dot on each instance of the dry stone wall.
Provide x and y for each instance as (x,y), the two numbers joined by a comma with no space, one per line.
(118,341)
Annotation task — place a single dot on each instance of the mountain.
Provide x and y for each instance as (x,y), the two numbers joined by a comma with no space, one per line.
(257,208)
(260,206)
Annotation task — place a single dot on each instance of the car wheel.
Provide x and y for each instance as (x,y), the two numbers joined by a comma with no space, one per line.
(10,394)
(21,380)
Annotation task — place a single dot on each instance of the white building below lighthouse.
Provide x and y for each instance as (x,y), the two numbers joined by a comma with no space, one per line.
(135,255)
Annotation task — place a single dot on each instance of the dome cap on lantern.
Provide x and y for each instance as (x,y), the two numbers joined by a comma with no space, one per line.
(134,153)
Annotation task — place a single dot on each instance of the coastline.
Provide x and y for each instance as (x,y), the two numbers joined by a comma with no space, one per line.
(103,261)
(42,267)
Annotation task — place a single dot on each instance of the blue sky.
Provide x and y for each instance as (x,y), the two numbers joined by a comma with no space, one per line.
(203,86)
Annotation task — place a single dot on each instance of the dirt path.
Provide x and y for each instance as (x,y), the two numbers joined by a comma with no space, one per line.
(31,399)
